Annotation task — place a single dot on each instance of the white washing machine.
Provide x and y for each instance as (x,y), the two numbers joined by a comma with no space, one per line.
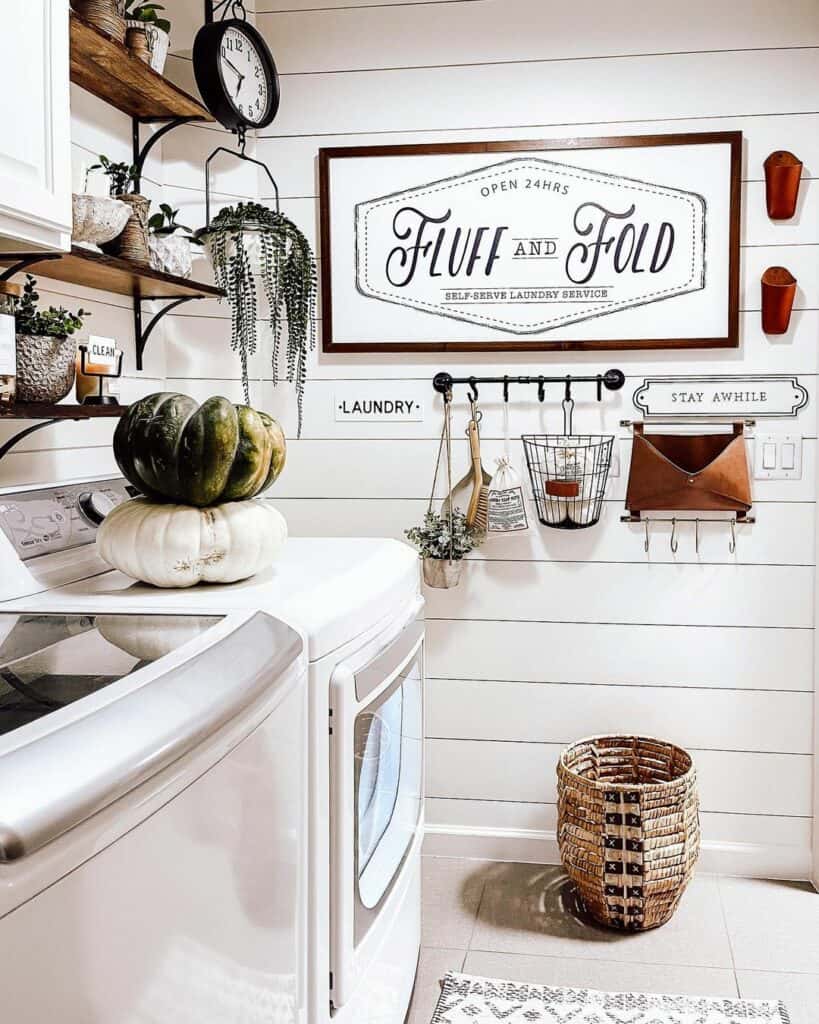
(357,604)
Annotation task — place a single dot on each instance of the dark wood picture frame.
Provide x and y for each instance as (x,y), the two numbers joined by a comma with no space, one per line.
(731,340)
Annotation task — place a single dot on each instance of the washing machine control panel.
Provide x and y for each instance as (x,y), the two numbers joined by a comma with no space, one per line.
(51,519)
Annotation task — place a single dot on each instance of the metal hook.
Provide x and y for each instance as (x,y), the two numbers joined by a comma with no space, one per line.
(646,544)
(568,397)
(505,388)
(541,390)
(599,387)
(473,390)
(732,543)
(697,536)
(674,542)
(568,416)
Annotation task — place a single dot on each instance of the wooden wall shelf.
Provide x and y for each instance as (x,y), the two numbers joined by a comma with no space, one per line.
(104,67)
(110,274)
(48,411)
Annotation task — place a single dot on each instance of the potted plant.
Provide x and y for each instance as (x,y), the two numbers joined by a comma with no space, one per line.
(147,35)
(46,349)
(170,250)
(250,241)
(132,242)
(106,15)
(442,542)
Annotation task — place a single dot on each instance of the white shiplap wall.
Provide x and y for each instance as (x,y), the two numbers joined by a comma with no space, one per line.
(560,635)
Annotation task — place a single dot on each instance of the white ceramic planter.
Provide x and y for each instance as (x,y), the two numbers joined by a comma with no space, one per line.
(97,219)
(442,574)
(252,241)
(157,42)
(171,254)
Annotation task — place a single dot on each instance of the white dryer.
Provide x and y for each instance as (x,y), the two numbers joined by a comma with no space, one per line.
(357,604)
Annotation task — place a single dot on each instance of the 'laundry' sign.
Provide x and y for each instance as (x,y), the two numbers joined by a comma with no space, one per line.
(382,401)
(758,396)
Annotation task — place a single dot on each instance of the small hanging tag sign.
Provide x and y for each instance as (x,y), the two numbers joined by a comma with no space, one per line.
(378,401)
(102,355)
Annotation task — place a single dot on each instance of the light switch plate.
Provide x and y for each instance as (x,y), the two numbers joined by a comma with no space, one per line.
(777,457)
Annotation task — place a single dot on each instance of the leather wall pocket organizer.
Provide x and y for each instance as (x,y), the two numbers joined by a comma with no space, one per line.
(689,472)
(778,293)
(783,172)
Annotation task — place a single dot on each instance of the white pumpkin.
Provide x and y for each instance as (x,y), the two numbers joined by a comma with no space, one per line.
(180,546)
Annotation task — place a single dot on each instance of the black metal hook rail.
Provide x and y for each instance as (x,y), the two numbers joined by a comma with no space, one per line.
(612,380)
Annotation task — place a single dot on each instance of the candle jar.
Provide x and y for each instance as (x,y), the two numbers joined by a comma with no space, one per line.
(9,299)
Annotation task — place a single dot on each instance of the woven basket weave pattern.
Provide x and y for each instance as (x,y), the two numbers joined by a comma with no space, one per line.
(106,15)
(132,243)
(628,827)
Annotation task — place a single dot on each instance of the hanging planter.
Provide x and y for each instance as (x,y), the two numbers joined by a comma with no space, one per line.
(444,540)
(778,293)
(783,172)
(250,243)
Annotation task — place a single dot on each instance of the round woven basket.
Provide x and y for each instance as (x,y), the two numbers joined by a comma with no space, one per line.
(106,15)
(132,242)
(628,827)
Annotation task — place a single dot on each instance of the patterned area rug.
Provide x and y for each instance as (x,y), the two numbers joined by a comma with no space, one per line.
(468,1000)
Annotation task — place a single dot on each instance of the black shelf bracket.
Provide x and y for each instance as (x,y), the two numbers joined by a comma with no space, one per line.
(29,261)
(141,150)
(20,435)
(142,333)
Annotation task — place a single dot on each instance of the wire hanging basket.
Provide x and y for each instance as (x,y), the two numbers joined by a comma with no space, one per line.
(569,474)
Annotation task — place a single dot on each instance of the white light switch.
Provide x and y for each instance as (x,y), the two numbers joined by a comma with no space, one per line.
(778,457)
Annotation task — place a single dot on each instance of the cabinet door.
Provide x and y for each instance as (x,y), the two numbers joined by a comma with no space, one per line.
(35,133)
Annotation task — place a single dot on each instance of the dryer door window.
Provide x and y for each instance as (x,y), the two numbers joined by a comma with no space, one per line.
(388,744)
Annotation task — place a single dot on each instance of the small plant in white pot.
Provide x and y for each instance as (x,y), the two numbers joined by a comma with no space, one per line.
(147,35)
(443,541)
(170,248)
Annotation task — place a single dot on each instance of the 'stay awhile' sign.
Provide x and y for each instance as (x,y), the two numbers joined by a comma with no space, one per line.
(618,243)
(757,396)
(472,247)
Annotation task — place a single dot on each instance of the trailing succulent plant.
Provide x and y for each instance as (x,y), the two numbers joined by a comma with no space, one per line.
(136,10)
(51,322)
(122,177)
(288,274)
(434,539)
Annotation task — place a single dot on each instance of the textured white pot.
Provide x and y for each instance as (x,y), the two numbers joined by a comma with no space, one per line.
(171,254)
(441,573)
(252,241)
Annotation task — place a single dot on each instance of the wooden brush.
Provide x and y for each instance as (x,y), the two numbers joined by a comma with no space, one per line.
(477,514)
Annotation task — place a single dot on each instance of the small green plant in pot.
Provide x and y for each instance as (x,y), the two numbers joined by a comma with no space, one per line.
(443,540)
(169,243)
(148,34)
(46,347)
(247,242)
(132,242)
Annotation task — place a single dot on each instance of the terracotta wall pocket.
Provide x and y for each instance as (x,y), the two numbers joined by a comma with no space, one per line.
(778,292)
(783,172)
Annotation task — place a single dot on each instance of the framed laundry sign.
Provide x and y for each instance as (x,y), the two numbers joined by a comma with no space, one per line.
(610,243)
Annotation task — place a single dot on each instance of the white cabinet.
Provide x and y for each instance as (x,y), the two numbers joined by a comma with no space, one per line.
(35,130)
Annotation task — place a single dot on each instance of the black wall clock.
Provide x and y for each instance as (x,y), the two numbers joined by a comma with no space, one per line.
(236,74)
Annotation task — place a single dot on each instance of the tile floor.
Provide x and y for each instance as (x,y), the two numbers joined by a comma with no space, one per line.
(732,937)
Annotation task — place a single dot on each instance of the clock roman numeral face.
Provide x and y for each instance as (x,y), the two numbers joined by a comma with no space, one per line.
(244,77)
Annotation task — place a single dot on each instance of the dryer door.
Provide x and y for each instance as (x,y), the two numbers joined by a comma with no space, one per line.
(377,786)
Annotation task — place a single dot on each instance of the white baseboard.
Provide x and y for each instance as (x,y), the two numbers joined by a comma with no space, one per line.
(527,846)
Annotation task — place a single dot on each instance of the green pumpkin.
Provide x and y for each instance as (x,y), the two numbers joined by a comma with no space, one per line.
(170,447)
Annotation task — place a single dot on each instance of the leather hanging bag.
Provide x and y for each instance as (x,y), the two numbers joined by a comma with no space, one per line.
(689,472)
